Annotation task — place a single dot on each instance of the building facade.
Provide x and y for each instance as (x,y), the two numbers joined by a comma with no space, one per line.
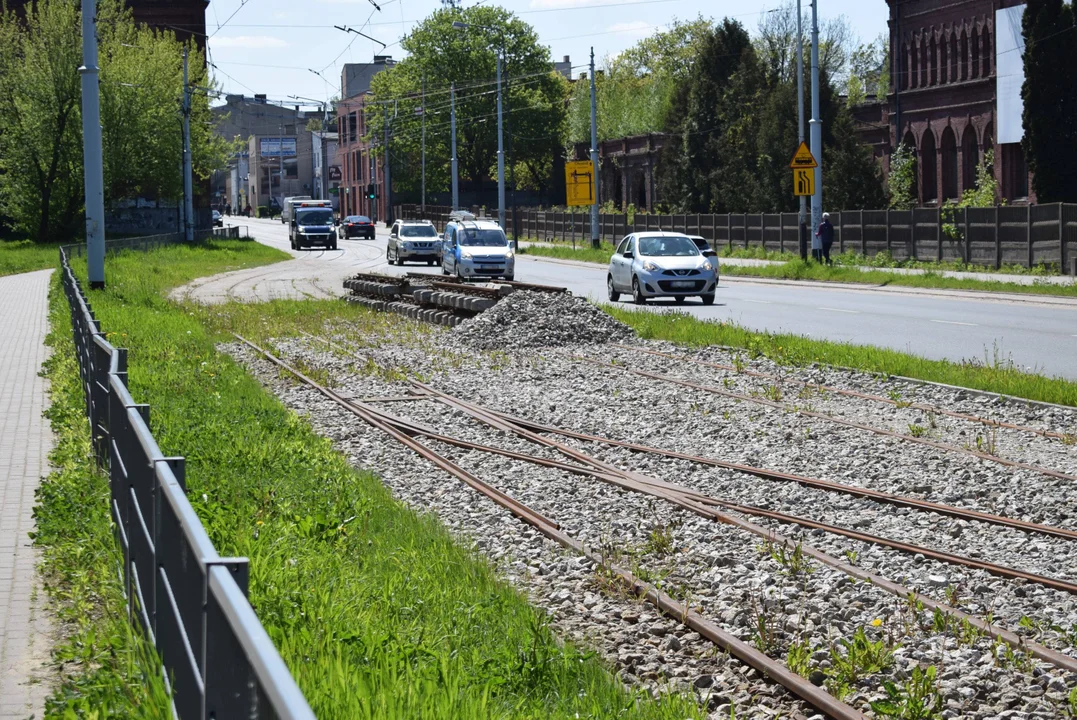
(326,166)
(361,160)
(947,96)
(626,170)
(278,167)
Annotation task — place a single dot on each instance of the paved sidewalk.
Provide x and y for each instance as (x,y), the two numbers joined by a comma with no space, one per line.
(25,440)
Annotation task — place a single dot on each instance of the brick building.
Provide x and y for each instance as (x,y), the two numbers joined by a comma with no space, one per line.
(947,95)
(361,161)
(626,169)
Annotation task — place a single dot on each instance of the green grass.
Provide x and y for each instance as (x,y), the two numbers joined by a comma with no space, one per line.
(19,256)
(992,373)
(378,612)
(107,670)
(793,268)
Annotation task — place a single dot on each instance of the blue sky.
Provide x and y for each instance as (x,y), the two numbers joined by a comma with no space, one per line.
(270,46)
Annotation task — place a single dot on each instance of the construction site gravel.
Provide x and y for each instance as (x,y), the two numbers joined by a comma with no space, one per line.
(549,358)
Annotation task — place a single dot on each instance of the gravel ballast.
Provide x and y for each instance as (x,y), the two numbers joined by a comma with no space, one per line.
(732,577)
(527,319)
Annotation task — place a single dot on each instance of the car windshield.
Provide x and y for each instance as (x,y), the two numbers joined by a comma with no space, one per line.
(672,245)
(484,238)
(418,231)
(358,219)
(315,217)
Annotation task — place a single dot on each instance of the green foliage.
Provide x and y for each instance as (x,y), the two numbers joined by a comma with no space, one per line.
(534,104)
(983,194)
(901,183)
(1050,99)
(917,699)
(376,609)
(41,179)
(853,180)
(869,71)
(798,658)
(634,91)
(854,658)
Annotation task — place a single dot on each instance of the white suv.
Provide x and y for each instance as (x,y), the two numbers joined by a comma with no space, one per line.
(415,240)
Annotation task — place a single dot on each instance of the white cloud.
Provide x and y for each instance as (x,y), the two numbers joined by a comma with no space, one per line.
(635,27)
(248,42)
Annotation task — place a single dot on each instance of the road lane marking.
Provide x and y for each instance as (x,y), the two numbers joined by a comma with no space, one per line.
(954,322)
(761,302)
(851,312)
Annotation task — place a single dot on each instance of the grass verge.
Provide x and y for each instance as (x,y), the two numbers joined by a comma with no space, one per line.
(19,256)
(797,269)
(106,669)
(378,612)
(993,374)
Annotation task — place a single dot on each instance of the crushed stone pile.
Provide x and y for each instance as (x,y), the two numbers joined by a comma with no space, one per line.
(528,319)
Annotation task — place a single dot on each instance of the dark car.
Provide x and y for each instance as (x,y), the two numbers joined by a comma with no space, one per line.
(218,219)
(356,226)
(704,248)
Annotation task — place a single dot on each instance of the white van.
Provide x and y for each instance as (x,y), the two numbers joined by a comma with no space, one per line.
(287,211)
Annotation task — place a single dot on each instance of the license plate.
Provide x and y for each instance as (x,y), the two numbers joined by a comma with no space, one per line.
(683,283)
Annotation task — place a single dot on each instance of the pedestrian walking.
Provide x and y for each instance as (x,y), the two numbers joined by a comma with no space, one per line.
(824,236)
(247,210)
(228,209)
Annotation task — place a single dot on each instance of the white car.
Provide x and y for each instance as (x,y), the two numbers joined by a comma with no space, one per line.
(661,264)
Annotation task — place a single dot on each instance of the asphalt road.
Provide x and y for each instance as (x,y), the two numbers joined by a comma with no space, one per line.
(1041,336)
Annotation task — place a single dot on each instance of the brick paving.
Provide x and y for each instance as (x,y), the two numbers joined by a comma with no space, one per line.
(25,440)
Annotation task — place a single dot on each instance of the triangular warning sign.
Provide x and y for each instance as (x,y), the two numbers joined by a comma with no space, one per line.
(803,158)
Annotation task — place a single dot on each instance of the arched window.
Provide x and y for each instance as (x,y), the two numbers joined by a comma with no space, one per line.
(986,46)
(970,158)
(975,53)
(929,164)
(922,80)
(932,60)
(949,165)
(904,66)
(953,58)
(964,54)
(914,64)
(910,142)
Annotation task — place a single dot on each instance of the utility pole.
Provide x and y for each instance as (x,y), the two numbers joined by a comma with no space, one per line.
(801,229)
(816,120)
(500,149)
(423,204)
(388,191)
(93,173)
(596,241)
(455,175)
(188,184)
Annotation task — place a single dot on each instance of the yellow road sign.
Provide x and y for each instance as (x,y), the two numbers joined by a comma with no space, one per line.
(579,183)
(803,181)
(803,158)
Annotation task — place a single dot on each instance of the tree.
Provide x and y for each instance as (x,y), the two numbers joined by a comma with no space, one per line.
(869,71)
(534,107)
(41,177)
(901,182)
(1050,99)
(853,180)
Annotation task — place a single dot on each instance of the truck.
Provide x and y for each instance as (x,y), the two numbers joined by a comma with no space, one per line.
(311,224)
(286,208)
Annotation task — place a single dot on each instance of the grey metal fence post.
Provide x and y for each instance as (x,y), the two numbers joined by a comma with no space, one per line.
(1028,236)
(998,240)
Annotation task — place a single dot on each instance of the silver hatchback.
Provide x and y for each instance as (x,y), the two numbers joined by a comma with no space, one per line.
(661,264)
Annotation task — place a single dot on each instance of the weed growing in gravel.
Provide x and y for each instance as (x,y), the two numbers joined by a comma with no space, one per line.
(987,443)
(767,625)
(794,563)
(917,430)
(660,539)
(1071,703)
(916,699)
(852,556)
(854,658)
(773,393)
(798,658)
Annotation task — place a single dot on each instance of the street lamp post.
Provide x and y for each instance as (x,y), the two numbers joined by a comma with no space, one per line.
(500,125)
(816,120)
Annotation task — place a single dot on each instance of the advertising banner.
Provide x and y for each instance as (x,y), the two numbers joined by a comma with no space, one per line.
(277,147)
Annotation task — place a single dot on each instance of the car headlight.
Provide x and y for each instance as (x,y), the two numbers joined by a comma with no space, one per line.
(465,255)
(508,255)
(706,265)
(650,266)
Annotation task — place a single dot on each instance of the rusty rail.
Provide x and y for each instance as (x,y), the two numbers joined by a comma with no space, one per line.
(770,668)
(856,394)
(830,418)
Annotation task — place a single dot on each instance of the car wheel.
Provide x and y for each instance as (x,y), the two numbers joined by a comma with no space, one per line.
(679,299)
(430,263)
(637,292)
(399,261)
(611,292)
(333,246)
(510,278)
(707,299)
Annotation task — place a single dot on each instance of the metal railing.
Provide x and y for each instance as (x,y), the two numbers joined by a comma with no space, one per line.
(216,657)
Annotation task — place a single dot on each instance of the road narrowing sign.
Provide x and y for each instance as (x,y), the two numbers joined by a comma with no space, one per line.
(803,158)
(803,181)
(579,183)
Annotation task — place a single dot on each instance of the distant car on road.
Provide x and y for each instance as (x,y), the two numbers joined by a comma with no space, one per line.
(661,264)
(218,219)
(415,240)
(312,224)
(704,247)
(355,226)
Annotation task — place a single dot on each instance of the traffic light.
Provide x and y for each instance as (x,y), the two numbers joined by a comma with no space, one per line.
(370,191)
